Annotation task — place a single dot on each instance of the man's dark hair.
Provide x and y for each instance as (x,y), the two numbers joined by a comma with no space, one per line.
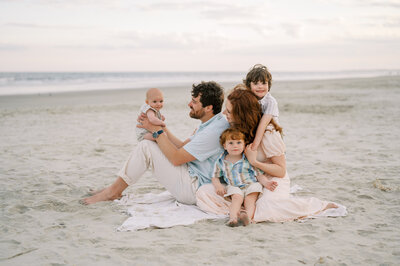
(211,93)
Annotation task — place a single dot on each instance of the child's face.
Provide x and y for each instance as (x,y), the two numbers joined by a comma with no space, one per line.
(234,146)
(156,100)
(259,88)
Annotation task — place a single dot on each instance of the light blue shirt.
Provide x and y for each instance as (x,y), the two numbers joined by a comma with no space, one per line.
(204,146)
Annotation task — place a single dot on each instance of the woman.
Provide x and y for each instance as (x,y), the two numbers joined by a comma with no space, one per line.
(243,112)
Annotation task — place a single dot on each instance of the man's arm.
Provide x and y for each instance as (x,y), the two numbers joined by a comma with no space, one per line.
(177,142)
(177,156)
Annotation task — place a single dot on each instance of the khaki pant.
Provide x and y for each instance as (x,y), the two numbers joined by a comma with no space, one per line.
(175,179)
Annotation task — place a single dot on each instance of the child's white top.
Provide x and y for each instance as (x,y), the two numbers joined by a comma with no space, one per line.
(269,106)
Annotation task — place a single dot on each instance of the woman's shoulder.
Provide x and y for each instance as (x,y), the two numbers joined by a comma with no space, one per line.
(272,143)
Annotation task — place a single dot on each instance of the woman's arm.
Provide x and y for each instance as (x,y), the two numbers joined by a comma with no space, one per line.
(262,125)
(277,168)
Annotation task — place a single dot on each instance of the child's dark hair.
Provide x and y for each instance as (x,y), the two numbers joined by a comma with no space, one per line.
(231,134)
(258,73)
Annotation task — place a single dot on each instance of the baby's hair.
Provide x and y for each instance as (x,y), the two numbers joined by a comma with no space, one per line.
(258,73)
(231,134)
(152,90)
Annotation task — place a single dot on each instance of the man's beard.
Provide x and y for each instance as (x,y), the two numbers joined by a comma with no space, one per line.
(197,114)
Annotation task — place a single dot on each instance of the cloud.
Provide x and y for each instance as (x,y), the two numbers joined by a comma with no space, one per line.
(293,29)
(207,9)
(11,47)
(39,26)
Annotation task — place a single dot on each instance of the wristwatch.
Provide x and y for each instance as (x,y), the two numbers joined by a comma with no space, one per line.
(157,133)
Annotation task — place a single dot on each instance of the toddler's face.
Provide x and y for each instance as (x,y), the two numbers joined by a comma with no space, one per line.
(156,101)
(259,88)
(234,146)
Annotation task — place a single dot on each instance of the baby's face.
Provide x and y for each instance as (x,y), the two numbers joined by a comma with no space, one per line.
(156,100)
(259,88)
(234,146)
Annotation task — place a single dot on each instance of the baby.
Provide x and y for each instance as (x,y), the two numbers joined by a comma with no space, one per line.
(234,168)
(152,107)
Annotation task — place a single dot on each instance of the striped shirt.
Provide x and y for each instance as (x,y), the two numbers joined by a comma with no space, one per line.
(239,174)
(269,106)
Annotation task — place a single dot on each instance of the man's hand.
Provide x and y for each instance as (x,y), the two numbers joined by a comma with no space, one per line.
(145,123)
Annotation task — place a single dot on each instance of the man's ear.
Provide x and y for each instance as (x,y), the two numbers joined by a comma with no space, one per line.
(209,108)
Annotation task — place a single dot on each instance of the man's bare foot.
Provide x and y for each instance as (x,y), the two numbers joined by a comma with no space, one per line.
(94,192)
(233,222)
(104,195)
(244,218)
(330,206)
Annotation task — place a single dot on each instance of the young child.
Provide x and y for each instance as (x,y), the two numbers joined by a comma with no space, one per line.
(152,107)
(258,80)
(234,168)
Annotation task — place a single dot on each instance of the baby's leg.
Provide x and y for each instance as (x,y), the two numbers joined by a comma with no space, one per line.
(234,208)
(267,183)
(250,204)
(148,136)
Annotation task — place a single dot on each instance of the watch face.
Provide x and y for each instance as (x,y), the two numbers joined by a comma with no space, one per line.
(155,135)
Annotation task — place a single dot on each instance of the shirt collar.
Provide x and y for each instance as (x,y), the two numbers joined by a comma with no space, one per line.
(209,121)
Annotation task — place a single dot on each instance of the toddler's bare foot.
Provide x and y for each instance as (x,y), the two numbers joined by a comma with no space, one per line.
(244,218)
(104,195)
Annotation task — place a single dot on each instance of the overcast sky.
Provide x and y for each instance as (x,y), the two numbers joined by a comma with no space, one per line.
(179,35)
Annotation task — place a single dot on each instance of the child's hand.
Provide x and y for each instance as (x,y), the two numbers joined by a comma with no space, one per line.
(162,118)
(220,189)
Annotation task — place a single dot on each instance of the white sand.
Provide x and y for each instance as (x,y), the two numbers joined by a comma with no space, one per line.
(343,144)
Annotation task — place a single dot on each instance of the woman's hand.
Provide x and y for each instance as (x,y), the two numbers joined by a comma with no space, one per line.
(251,154)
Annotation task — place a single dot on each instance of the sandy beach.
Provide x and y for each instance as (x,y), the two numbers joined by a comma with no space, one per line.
(342,139)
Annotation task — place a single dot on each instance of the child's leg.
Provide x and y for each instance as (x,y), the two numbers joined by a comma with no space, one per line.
(250,204)
(148,136)
(267,183)
(234,208)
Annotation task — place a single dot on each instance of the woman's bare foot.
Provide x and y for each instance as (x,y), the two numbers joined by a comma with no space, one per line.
(103,195)
(330,206)
(244,218)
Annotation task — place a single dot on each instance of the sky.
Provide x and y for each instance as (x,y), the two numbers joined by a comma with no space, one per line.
(204,35)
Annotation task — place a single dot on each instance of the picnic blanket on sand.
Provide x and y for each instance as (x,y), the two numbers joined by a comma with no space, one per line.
(162,211)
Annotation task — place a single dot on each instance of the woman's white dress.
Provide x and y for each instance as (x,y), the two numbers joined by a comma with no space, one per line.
(276,206)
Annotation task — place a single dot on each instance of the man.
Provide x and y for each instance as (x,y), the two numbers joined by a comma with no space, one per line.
(180,166)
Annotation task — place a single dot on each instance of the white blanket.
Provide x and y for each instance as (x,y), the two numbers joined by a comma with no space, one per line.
(163,211)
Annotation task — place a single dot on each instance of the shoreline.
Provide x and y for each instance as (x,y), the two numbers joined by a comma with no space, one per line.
(169,87)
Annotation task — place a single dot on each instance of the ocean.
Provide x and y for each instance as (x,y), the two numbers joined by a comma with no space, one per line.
(17,83)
